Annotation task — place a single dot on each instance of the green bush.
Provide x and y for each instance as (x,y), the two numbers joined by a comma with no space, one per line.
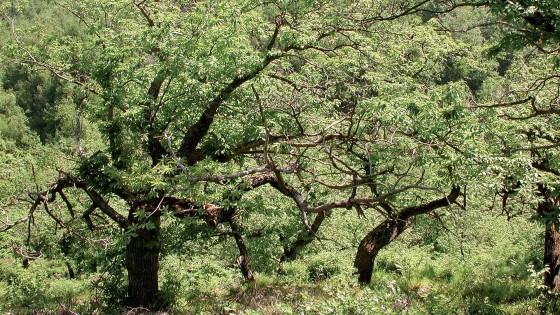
(323,266)
(72,293)
(42,286)
(293,272)
(482,308)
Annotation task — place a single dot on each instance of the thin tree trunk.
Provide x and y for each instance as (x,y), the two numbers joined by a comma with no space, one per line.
(243,259)
(389,230)
(71,273)
(142,264)
(303,239)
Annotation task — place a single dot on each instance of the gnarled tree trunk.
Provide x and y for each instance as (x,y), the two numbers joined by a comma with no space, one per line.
(389,230)
(369,247)
(142,264)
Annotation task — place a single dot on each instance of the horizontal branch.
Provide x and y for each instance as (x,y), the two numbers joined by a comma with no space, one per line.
(502,104)
(8,226)
(226,177)
(542,165)
(67,181)
(430,206)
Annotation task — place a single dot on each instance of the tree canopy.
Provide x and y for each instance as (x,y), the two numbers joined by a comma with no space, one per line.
(154,114)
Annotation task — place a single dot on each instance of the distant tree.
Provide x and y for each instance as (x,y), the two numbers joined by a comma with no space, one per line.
(525,112)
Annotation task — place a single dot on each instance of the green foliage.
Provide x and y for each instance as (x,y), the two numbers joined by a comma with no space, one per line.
(37,96)
(347,104)
(194,279)
(482,308)
(540,17)
(41,287)
(323,267)
(13,123)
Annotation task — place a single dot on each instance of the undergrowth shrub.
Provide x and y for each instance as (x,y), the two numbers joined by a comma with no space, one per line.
(188,281)
(42,286)
(293,272)
(483,308)
(323,266)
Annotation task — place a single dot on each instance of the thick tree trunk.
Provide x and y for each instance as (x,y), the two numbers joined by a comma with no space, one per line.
(369,247)
(142,264)
(389,230)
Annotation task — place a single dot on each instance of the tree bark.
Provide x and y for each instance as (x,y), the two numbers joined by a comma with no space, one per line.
(243,259)
(378,238)
(71,272)
(552,257)
(388,230)
(142,264)
(546,209)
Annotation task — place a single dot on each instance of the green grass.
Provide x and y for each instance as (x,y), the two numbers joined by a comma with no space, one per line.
(492,275)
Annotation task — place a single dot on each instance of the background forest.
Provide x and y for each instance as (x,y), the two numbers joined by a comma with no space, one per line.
(279,157)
